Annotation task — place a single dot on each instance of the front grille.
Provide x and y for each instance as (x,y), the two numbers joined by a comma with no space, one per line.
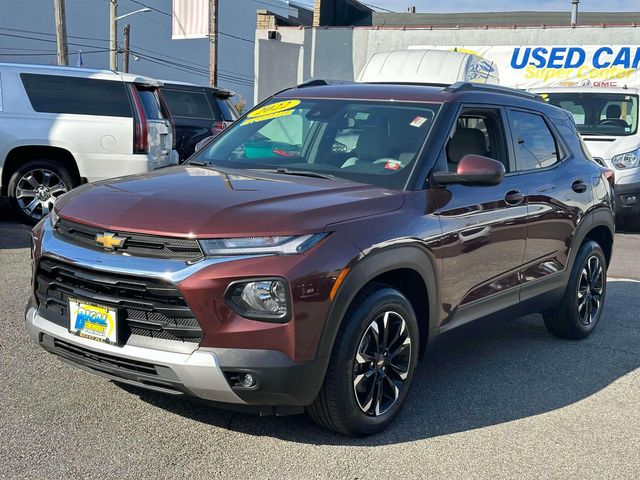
(148,307)
(136,244)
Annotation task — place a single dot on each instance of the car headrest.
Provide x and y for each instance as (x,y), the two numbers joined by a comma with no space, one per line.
(466,141)
(614,111)
(373,143)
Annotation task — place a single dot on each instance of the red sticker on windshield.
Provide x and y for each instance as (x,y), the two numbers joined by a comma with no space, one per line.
(392,165)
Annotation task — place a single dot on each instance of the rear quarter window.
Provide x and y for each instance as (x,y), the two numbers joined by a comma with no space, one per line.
(187,104)
(76,95)
(229,113)
(534,144)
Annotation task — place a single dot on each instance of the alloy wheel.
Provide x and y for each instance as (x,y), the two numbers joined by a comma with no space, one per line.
(382,363)
(590,289)
(37,192)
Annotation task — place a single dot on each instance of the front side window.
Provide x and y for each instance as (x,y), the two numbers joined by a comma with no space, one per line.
(534,144)
(363,141)
(77,95)
(595,113)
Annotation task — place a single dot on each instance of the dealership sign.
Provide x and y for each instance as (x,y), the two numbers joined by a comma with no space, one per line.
(560,66)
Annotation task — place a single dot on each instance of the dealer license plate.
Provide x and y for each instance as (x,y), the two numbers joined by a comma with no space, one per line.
(93,321)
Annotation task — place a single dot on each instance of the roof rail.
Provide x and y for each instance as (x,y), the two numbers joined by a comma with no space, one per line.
(316,82)
(466,86)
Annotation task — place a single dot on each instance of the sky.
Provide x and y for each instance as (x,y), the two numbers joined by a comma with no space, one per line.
(440,6)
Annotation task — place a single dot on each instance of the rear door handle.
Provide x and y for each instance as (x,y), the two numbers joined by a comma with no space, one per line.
(473,233)
(514,197)
(579,186)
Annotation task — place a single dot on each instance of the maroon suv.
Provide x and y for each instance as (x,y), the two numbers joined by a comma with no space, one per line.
(314,251)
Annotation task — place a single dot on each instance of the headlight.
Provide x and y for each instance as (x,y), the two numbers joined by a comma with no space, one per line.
(626,160)
(262,299)
(277,245)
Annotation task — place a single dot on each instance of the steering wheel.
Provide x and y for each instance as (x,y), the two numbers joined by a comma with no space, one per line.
(614,121)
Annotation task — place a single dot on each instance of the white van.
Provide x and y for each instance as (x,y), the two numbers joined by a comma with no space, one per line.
(428,66)
(62,126)
(607,119)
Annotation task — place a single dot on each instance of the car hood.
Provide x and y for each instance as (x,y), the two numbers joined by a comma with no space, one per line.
(205,202)
(606,147)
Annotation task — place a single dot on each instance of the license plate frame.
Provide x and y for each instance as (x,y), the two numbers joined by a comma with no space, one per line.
(93,321)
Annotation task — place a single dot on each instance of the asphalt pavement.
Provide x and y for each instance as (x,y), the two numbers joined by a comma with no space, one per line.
(504,401)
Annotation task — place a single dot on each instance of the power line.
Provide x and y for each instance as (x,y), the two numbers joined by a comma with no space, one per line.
(379,8)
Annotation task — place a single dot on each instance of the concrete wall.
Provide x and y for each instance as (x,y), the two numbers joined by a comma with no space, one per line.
(341,53)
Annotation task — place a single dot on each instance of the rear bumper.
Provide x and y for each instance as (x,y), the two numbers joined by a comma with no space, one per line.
(202,373)
(627,199)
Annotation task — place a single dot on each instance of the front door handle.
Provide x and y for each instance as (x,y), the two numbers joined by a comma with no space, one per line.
(473,233)
(579,186)
(514,197)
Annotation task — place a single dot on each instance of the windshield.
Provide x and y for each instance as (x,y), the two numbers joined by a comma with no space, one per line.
(363,141)
(610,114)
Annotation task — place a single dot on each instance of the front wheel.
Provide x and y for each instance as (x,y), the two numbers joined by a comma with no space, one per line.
(581,307)
(371,365)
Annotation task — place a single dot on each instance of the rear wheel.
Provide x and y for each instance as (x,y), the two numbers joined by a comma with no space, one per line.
(581,307)
(36,185)
(371,365)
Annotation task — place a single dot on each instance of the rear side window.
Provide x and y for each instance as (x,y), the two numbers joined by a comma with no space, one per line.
(534,143)
(228,112)
(150,104)
(81,96)
(187,104)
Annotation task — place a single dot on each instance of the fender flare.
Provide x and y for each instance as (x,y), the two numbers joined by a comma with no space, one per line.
(601,217)
(413,257)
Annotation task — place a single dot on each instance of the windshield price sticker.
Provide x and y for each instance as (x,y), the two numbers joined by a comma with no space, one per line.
(271,111)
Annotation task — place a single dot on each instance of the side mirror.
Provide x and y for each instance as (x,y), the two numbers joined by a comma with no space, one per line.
(473,170)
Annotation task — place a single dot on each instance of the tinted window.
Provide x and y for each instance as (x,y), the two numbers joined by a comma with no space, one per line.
(83,96)
(534,144)
(189,104)
(150,104)
(227,110)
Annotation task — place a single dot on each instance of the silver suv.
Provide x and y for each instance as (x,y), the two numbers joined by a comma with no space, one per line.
(61,126)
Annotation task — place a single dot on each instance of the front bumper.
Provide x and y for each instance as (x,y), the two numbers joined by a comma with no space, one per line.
(200,373)
(197,373)
(627,199)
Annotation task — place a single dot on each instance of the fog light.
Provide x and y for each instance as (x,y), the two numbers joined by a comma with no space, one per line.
(265,299)
(247,380)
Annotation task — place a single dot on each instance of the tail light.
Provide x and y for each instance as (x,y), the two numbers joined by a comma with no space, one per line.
(218,127)
(140,130)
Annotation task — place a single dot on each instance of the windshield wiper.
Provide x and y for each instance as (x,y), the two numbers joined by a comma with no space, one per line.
(301,173)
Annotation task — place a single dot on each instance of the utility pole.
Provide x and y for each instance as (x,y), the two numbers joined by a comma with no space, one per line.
(574,12)
(125,61)
(213,43)
(113,34)
(61,32)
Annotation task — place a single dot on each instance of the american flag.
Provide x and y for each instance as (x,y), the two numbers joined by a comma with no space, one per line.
(190,19)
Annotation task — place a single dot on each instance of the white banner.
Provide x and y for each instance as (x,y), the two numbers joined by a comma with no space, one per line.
(190,19)
(560,66)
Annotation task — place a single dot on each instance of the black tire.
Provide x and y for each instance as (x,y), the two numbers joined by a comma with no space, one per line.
(58,182)
(337,407)
(576,316)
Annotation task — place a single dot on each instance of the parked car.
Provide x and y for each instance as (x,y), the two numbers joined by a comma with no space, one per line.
(318,279)
(607,119)
(61,126)
(198,112)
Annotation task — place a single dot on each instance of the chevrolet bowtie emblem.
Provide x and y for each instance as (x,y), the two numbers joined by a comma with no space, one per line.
(110,241)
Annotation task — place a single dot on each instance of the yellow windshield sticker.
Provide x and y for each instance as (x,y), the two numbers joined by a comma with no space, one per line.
(273,110)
